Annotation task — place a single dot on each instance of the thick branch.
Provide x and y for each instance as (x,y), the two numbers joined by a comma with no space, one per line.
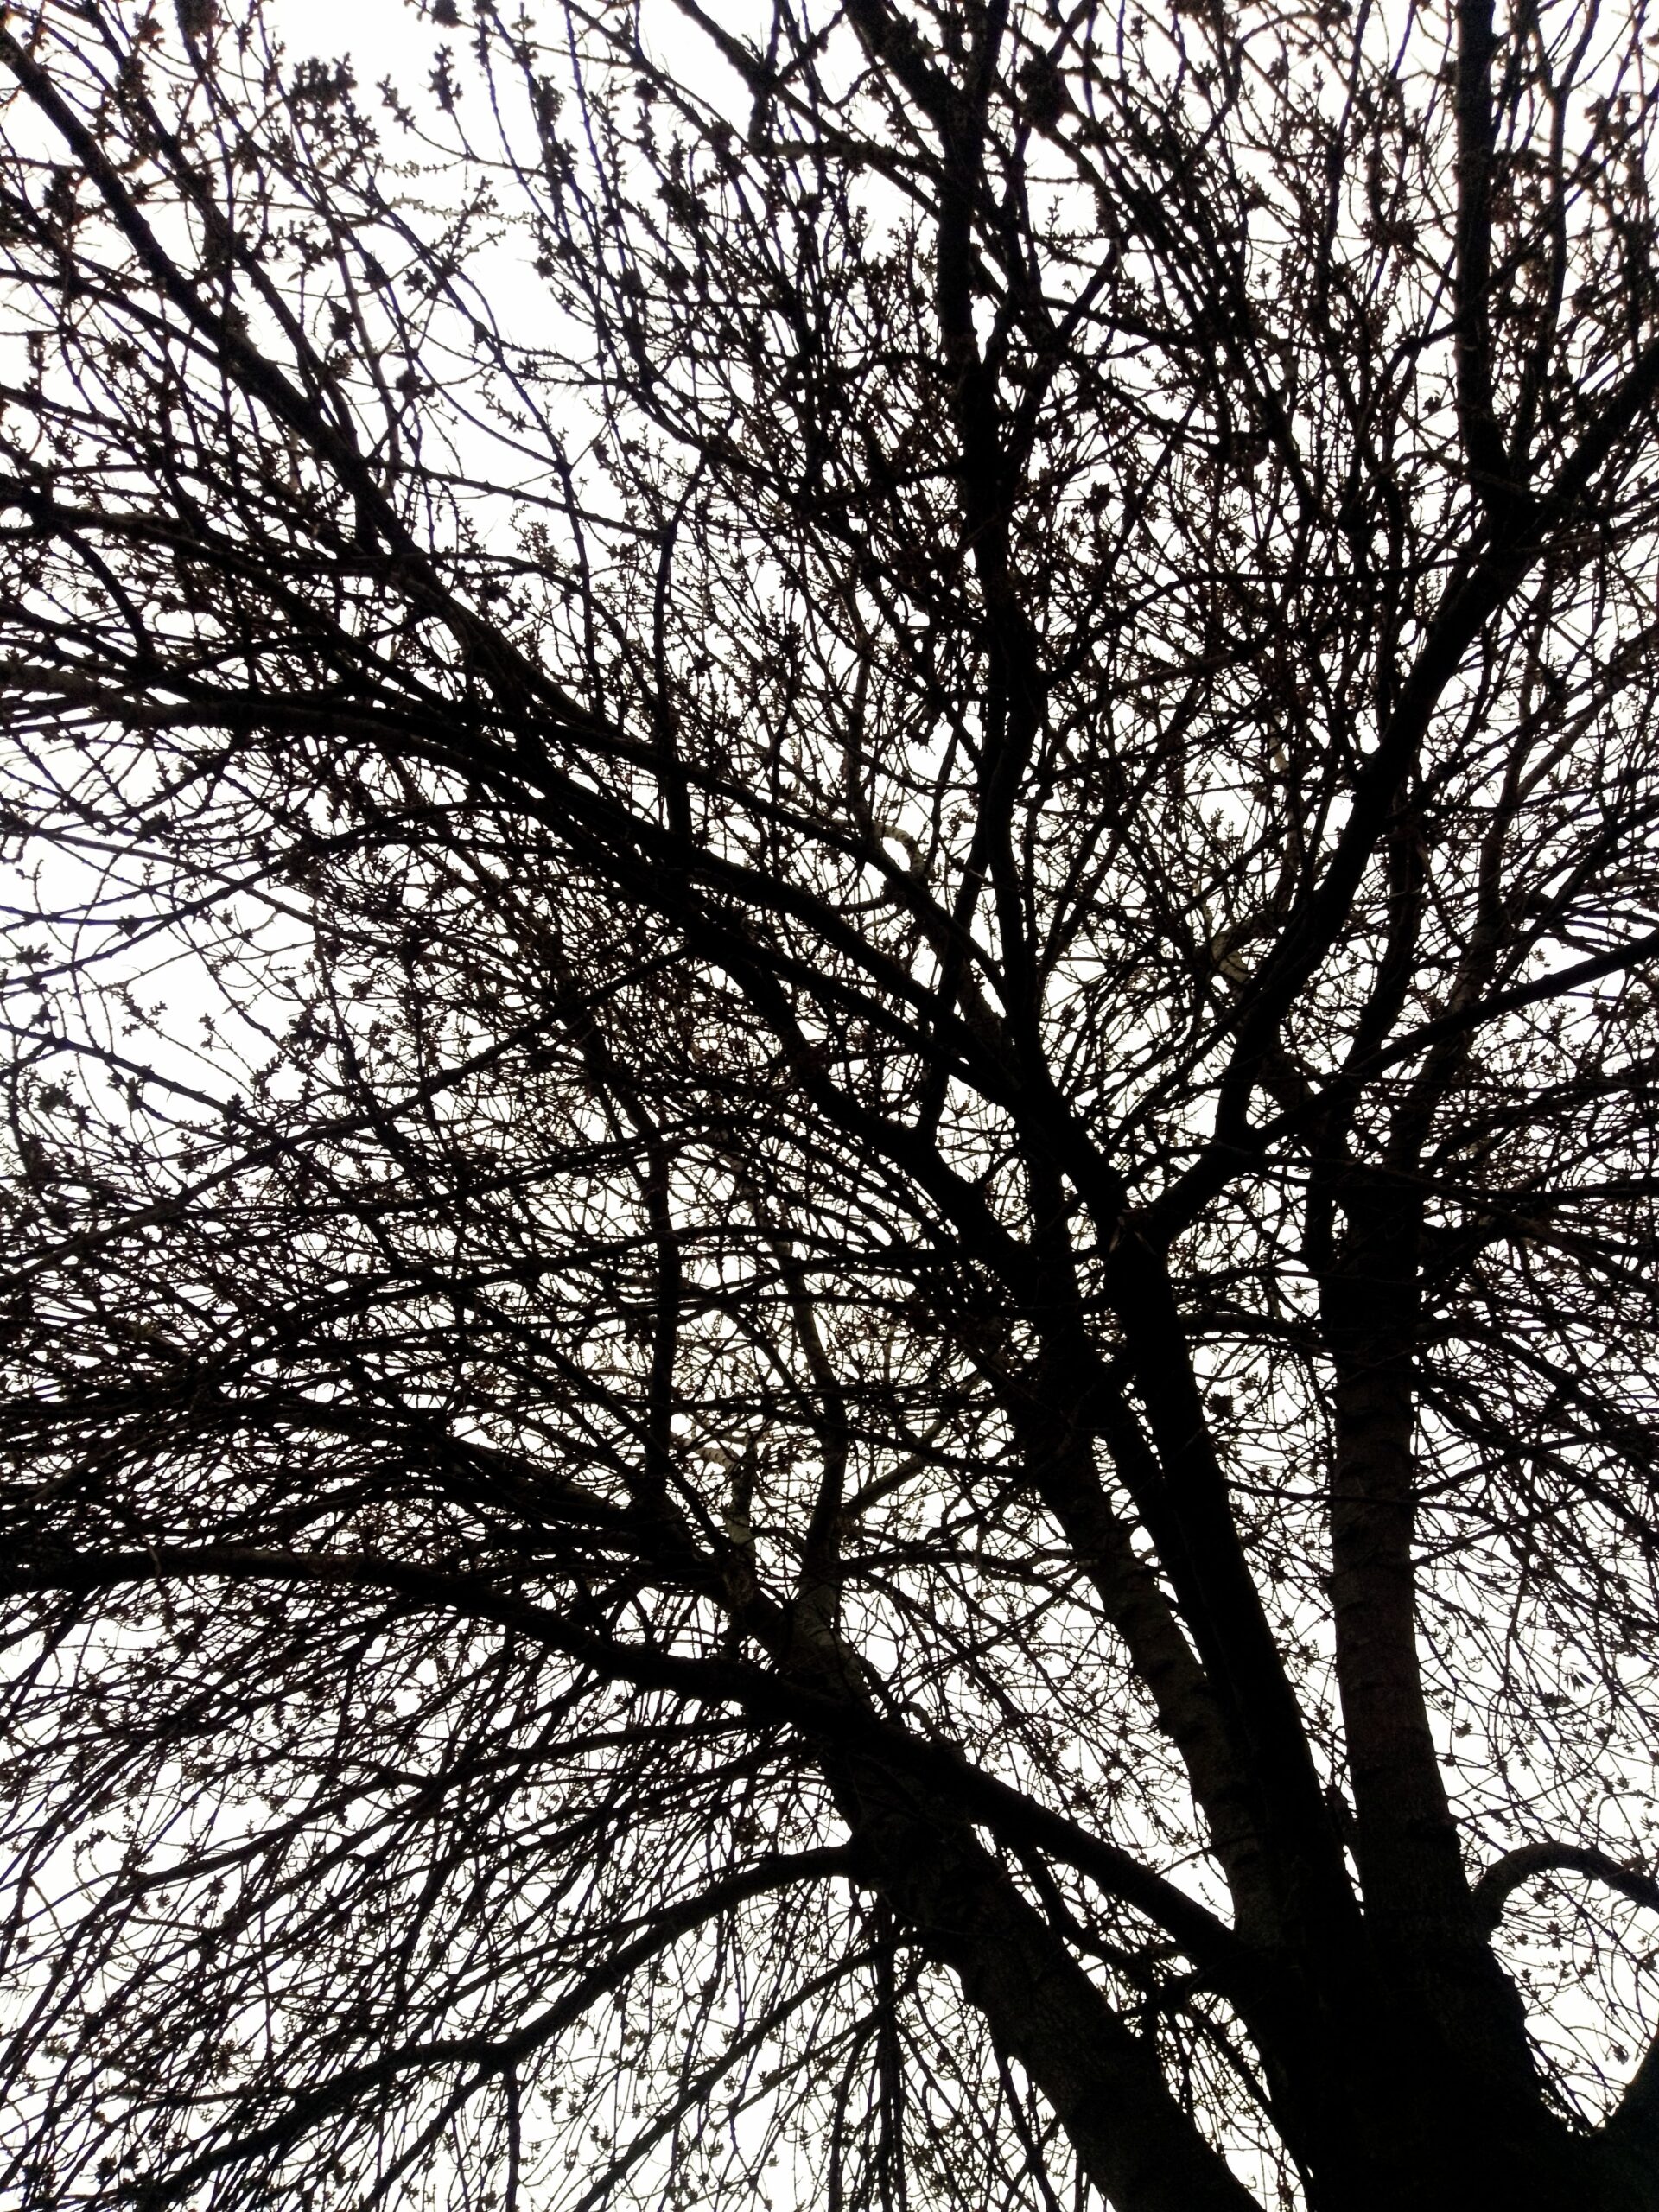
(1506,1875)
(1005,1811)
(1406,1841)
(1103,2082)
(1187,1710)
(1483,443)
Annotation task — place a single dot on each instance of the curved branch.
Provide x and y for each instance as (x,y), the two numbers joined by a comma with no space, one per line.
(1492,1891)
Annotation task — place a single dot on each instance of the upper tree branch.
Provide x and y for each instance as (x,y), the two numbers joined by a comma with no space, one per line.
(1483,443)
(1528,1860)
(1487,580)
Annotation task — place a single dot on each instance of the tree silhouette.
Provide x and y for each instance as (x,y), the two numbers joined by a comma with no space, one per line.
(828,1298)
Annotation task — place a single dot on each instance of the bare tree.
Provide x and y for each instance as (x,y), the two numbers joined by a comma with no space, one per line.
(830,1300)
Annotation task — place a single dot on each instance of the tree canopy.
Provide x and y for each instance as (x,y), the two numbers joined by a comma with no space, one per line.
(828,1288)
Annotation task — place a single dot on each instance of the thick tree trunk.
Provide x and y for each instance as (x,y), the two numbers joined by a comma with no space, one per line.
(1470,2102)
